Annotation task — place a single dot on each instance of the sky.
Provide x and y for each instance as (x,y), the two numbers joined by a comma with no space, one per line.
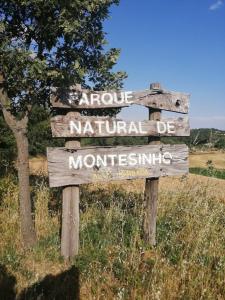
(179,43)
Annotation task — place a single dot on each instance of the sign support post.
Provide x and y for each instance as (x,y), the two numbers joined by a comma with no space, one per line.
(70,211)
(70,215)
(151,184)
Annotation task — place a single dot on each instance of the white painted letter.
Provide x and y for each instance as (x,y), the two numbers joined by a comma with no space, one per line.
(122,159)
(95,98)
(99,123)
(167,158)
(121,127)
(112,156)
(73,97)
(91,158)
(104,98)
(154,158)
(75,164)
(132,159)
(75,127)
(171,127)
(133,128)
(107,127)
(88,128)
(101,161)
(128,95)
(146,158)
(84,100)
(161,127)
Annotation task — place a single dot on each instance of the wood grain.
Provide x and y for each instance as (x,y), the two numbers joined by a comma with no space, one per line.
(152,185)
(164,100)
(158,99)
(61,127)
(70,215)
(61,175)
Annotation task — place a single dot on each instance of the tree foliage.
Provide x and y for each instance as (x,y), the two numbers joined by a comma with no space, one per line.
(7,146)
(44,44)
(39,133)
(54,43)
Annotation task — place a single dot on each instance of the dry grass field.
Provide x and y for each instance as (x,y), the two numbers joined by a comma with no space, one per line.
(170,185)
(38,165)
(114,261)
(199,159)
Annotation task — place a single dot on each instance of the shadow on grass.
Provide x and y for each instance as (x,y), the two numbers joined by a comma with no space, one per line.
(7,284)
(62,286)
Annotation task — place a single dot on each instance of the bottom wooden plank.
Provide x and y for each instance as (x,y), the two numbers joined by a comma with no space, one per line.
(92,164)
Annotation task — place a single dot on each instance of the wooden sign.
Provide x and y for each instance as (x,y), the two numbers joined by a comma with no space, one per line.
(71,166)
(74,125)
(86,99)
(92,164)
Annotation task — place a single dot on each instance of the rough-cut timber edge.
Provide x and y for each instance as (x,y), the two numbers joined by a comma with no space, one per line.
(60,126)
(61,175)
(157,99)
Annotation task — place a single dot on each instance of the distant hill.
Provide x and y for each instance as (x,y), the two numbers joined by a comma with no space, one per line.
(210,137)
(202,138)
(199,138)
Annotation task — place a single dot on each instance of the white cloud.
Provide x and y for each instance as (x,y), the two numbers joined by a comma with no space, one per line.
(216,5)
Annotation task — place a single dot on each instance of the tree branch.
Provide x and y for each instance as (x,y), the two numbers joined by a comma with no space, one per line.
(13,123)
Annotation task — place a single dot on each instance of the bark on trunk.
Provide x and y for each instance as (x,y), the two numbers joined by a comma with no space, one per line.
(19,129)
(27,224)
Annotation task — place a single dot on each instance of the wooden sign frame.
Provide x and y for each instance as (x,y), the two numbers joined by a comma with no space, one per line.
(62,162)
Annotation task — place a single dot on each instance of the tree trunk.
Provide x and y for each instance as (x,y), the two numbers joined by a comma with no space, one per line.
(27,225)
(19,129)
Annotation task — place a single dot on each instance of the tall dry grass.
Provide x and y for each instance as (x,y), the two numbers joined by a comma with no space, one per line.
(114,261)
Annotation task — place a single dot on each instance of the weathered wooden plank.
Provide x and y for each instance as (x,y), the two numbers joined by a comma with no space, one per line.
(87,99)
(165,100)
(70,215)
(92,164)
(74,125)
(152,185)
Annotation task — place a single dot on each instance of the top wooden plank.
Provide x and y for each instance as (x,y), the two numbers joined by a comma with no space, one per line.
(87,99)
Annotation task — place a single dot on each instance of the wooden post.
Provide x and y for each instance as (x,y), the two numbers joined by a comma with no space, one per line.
(151,184)
(70,212)
(70,216)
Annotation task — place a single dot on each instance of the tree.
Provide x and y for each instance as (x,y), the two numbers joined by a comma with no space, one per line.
(220,143)
(44,44)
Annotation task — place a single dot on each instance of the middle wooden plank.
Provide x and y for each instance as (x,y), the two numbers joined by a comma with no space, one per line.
(74,125)
(94,164)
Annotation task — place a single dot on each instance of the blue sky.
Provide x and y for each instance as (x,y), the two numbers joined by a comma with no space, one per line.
(179,43)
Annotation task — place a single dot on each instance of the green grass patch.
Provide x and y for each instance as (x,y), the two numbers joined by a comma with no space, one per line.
(208,172)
